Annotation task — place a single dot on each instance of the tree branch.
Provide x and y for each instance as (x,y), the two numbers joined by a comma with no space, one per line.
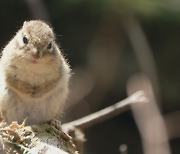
(46,139)
(107,113)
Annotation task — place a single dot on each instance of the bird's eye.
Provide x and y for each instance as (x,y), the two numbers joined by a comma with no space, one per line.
(49,46)
(25,40)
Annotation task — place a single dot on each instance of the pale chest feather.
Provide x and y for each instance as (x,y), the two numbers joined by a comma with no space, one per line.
(37,110)
(35,75)
(19,105)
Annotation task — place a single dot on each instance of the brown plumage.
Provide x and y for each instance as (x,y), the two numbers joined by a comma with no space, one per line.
(34,75)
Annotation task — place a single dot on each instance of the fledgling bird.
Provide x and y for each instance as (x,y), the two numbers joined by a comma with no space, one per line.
(34,75)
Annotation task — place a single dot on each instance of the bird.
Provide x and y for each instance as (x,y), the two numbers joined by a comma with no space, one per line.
(34,75)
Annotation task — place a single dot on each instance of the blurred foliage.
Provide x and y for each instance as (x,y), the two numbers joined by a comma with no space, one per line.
(144,8)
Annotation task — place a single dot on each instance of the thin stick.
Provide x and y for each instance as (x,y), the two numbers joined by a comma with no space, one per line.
(143,51)
(107,113)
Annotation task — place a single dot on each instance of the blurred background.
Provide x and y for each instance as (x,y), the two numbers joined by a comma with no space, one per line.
(115,47)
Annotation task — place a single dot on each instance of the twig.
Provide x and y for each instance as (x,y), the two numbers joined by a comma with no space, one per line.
(107,113)
(149,119)
(143,52)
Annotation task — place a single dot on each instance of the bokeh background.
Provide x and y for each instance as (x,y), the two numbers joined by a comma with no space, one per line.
(107,42)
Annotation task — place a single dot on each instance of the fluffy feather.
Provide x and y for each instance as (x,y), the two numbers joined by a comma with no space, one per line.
(34,77)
